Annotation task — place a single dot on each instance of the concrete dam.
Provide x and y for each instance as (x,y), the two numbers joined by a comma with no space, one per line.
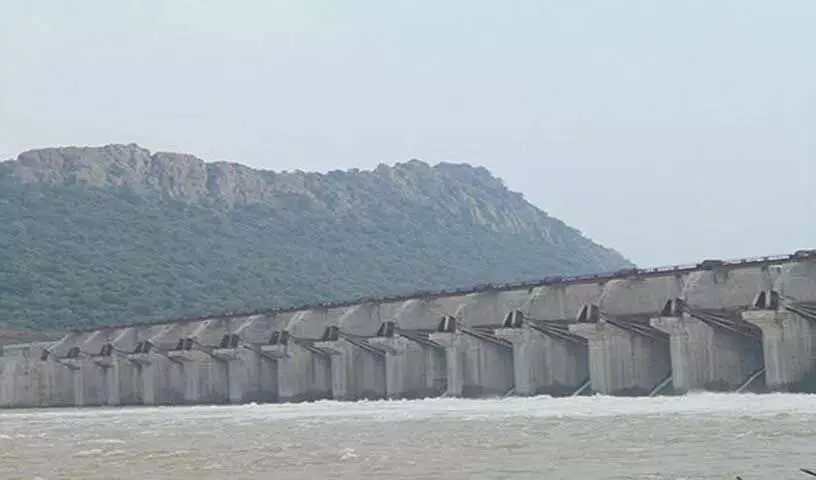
(744,325)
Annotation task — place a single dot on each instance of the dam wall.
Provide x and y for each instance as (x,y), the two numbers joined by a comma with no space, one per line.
(717,325)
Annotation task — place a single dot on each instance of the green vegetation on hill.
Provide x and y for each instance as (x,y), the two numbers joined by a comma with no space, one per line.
(74,255)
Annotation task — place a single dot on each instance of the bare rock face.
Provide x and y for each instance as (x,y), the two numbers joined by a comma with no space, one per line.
(112,165)
(453,188)
(173,175)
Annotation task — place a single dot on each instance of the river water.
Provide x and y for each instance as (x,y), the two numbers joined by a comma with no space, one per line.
(696,436)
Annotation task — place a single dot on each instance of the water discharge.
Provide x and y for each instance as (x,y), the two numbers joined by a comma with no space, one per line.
(691,437)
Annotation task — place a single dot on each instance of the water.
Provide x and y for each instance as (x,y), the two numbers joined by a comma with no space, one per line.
(696,436)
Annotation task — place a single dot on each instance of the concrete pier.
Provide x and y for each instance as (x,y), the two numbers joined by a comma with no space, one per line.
(89,386)
(612,327)
(789,348)
(357,368)
(414,365)
(180,366)
(27,380)
(166,381)
(204,377)
(478,364)
(546,359)
(122,381)
(303,371)
(155,379)
(88,367)
(625,359)
(705,356)
(105,380)
(252,375)
(786,314)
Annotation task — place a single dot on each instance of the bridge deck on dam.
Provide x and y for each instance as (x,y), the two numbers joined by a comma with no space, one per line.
(717,325)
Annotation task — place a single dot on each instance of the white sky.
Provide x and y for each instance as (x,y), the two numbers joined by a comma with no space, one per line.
(669,130)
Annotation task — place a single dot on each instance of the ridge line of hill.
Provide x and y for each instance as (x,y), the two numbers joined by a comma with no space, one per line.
(105,235)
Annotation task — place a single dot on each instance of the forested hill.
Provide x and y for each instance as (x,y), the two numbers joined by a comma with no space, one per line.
(114,234)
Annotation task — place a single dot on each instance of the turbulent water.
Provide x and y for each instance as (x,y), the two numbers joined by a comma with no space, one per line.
(696,436)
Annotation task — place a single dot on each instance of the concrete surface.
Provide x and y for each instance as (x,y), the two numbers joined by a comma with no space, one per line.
(413,369)
(476,367)
(544,364)
(707,358)
(788,345)
(233,358)
(622,362)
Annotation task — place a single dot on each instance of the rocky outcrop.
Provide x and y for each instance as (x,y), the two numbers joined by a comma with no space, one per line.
(455,188)
(174,175)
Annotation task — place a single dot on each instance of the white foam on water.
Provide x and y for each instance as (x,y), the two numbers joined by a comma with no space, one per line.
(454,408)
(348,453)
(106,441)
(89,453)
(596,406)
(168,454)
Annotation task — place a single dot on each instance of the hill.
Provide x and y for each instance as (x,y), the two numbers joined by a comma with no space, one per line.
(116,233)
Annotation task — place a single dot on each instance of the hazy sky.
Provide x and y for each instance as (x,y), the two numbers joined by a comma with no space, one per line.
(669,130)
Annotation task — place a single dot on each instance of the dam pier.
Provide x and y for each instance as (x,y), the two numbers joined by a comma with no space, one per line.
(743,325)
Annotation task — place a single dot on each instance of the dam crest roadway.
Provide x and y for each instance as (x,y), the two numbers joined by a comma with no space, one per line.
(742,325)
